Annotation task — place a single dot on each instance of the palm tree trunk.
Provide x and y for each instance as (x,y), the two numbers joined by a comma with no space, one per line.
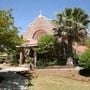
(70,53)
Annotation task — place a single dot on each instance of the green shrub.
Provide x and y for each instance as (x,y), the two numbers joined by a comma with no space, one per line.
(45,44)
(28,60)
(84,59)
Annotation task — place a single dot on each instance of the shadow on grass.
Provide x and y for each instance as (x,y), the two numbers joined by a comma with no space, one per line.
(1,78)
(13,81)
(85,72)
(27,76)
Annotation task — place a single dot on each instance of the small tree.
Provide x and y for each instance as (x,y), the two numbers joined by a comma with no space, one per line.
(45,44)
(45,48)
(84,59)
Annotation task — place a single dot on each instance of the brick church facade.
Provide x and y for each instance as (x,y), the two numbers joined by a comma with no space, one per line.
(39,27)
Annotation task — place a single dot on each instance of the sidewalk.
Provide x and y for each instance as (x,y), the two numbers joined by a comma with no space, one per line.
(7,68)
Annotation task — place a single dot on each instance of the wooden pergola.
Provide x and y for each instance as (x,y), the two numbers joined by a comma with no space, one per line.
(27,45)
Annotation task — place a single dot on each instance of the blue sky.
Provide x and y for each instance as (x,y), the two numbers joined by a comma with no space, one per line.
(25,11)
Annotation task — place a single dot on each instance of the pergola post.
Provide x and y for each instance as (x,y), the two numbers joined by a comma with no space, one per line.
(35,59)
(21,60)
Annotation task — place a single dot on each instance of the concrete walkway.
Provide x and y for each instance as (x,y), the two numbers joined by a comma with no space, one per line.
(7,68)
(14,69)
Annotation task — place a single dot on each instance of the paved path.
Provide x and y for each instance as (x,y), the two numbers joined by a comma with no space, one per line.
(6,68)
(14,69)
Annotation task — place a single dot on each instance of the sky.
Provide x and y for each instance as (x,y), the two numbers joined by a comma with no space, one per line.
(25,11)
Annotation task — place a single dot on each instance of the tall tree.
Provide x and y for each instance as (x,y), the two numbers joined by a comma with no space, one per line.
(71,26)
(9,36)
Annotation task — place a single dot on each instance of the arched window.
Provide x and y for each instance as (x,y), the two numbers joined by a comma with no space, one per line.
(38,34)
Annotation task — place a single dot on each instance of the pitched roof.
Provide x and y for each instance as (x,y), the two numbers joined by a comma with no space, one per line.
(42,24)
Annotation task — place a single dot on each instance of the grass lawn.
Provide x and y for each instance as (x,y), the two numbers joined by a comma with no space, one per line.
(54,81)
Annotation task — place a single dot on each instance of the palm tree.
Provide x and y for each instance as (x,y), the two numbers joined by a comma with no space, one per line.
(72,25)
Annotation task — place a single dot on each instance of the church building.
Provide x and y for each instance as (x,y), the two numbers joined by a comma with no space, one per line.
(39,27)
